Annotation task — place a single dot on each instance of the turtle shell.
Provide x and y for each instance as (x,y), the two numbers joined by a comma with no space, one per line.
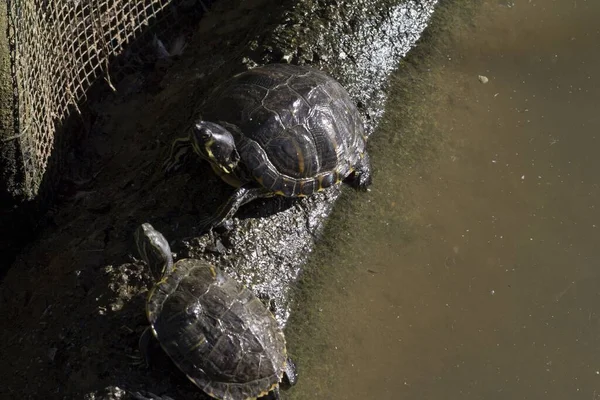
(217,331)
(298,130)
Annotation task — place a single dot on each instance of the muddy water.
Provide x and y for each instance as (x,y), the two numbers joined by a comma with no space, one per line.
(476,274)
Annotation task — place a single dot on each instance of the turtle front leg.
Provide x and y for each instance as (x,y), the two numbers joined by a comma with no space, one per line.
(241,196)
(180,150)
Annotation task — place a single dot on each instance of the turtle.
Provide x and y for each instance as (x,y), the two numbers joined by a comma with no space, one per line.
(216,331)
(278,129)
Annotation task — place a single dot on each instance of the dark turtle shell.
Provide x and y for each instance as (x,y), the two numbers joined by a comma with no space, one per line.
(298,129)
(217,332)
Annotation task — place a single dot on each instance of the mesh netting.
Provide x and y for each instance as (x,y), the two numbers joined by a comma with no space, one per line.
(58,49)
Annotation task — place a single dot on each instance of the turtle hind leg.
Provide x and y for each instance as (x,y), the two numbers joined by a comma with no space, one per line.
(360,178)
(242,195)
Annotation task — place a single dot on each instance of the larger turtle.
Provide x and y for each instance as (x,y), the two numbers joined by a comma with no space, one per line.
(278,129)
(215,330)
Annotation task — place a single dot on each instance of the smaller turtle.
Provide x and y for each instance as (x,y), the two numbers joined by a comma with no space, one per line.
(279,129)
(215,330)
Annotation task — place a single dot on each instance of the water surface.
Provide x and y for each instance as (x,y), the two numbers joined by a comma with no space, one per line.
(475,274)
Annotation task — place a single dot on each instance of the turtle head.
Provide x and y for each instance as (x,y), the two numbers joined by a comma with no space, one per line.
(215,144)
(154,250)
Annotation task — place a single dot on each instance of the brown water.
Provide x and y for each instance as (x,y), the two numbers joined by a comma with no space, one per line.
(477,275)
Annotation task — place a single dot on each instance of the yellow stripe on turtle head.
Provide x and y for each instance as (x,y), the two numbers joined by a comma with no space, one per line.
(207,147)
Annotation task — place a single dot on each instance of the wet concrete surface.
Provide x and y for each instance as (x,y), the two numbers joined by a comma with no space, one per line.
(471,270)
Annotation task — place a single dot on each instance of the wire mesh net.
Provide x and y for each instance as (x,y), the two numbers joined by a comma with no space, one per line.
(57,50)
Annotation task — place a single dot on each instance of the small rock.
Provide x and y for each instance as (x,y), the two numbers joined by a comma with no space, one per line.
(483,79)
